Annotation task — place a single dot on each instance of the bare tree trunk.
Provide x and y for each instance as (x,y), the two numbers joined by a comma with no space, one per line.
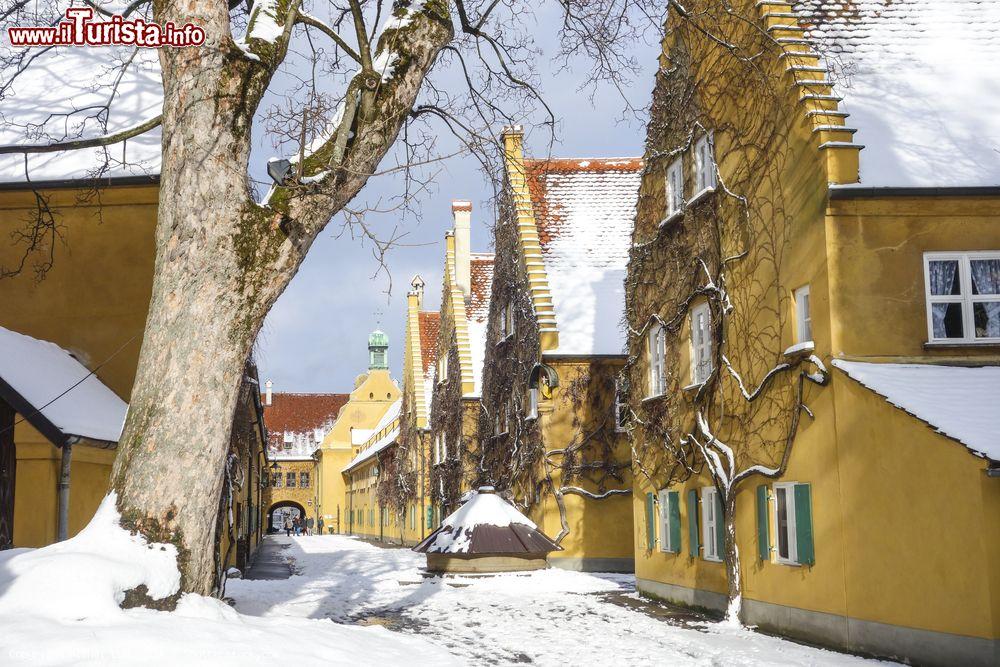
(731,556)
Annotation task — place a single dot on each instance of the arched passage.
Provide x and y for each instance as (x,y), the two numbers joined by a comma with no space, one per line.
(281,510)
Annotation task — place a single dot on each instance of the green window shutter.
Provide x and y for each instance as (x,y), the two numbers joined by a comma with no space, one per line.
(650,522)
(763,536)
(803,524)
(693,542)
(720,526)
(430,517)
(674,502)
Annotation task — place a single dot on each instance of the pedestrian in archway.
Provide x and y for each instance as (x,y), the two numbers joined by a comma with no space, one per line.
(288,526)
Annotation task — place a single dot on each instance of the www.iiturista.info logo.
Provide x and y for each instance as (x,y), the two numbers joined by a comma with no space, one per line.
(79,29)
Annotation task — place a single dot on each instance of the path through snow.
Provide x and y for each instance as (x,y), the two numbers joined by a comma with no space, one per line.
(545,618)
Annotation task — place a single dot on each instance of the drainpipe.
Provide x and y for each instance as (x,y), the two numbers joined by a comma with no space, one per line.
(64,472)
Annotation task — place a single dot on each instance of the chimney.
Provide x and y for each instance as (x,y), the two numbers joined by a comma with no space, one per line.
(461,211)
(417,290)
(267,392)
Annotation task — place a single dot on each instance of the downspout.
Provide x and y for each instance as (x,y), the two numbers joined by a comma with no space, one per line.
(64,479)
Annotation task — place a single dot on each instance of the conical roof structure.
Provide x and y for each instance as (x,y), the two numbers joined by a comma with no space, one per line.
(486,527)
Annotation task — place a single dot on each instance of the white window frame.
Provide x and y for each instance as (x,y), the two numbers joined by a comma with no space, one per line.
(704,166)
(793,548)
(966,297)
(532,403)
(501,420)
(708,523)
(803,315)
(620,407)
(663,522)
(442,368)
(700,372)
(674,189)
(656,343)
(511,329)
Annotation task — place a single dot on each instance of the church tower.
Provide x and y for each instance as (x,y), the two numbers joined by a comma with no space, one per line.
(378,351)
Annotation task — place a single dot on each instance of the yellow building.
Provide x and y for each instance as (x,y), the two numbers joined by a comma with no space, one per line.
(374,394)
(72,322)
(296,426)
(814,312)
(551,433)
(458,370)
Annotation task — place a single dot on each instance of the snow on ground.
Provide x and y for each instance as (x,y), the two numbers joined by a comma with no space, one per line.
(545,618)
(59,606)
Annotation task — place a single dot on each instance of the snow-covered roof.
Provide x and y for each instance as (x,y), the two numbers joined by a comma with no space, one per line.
(477,312)
(298,423)
(55,389)
(58,98)
(960,402)
(388,427)
(918,78)
(486,524)
(584,209)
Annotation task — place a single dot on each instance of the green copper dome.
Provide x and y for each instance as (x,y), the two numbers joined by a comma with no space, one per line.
(378,346)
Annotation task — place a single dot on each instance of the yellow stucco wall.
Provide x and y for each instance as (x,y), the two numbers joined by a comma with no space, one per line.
(372,396)
(304,496)
(93,302)
(598,528)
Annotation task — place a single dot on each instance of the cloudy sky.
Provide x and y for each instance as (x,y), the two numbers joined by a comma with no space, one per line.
(315,338)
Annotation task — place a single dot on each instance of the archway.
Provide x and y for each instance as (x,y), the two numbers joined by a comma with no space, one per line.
(279,511)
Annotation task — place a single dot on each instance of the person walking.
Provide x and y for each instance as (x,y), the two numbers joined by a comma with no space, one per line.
(288,526)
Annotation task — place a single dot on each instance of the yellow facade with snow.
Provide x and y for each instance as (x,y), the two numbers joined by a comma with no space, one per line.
(886,541)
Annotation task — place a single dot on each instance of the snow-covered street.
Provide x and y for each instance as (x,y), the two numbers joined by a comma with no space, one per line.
(545,618)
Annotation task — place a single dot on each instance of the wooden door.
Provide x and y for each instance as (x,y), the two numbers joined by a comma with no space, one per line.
(8,464)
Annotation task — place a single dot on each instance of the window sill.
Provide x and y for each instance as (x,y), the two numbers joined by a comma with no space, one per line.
(653,398)
(504,340)
(957,344)
(790,563)
(711,559)
(673,217)
(701,194)
(693,387)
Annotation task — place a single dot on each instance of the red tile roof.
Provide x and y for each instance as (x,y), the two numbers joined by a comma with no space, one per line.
(481,270)
(300,415)
(430,323)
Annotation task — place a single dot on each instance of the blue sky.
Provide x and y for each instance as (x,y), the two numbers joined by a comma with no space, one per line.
(314,340)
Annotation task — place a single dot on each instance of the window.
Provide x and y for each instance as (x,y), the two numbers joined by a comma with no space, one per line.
(413,517)
(803,316)
(444,447)
(793,524)
(675,188)
(500,425)
(657,359)
(276,480)
(442,367)
(621,407)
(669,521)
(304,480)
(704,165)
(963,296)
(701,343)
(532,403)
(318,434)
(289,439)
(506,321)
(711,510)
(784,523)
(290,480)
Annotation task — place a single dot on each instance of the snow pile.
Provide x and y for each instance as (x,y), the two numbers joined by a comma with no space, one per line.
(60,388)
(584,210)
(59,606)
(918,78)
(957,401)
(86,577)
(59,98)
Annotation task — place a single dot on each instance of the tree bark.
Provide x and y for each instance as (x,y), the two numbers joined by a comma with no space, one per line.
(221,262)
(732,558)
